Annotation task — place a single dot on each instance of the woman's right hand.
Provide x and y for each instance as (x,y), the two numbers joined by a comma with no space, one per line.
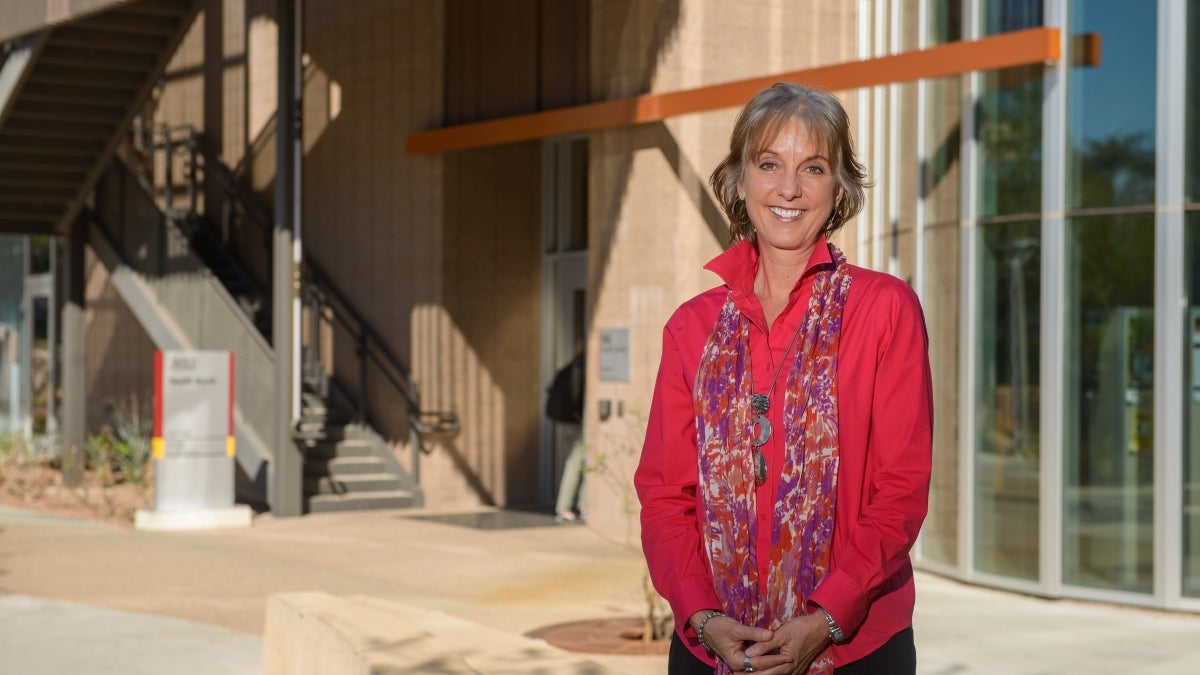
(728,639)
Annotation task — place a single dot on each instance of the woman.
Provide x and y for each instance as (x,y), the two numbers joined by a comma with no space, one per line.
(785,470)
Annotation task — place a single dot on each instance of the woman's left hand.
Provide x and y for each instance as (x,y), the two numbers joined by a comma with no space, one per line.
(801,640)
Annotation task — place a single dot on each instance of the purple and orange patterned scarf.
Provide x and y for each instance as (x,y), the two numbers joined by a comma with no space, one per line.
(802,523)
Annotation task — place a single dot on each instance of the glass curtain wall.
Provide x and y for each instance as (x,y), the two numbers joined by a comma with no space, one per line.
(1008,286)
(12,293)
(1191,406)
(941,175)
(1108,444)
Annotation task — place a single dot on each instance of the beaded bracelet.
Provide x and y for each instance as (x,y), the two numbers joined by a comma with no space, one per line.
(700,629)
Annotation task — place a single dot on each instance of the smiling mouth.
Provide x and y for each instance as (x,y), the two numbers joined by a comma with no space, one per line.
(786,213)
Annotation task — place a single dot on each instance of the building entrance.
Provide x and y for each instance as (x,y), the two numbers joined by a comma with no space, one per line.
(564,288)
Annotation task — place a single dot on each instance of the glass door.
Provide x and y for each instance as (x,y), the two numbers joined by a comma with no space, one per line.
(564,287)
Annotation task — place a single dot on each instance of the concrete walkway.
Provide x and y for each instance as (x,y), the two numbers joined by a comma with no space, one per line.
(115,600)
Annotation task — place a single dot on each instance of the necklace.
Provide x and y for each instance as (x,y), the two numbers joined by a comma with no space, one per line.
(761,404)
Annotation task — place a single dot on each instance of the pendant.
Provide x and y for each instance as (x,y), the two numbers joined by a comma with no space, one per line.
(760,467)
(761,427)
(760,403)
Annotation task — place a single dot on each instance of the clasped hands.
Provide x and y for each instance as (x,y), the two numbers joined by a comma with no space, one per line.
(788,650)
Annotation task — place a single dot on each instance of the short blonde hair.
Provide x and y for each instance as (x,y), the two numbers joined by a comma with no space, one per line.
(756,128)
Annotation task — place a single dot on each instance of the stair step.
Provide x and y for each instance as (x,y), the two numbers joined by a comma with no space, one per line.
(330,449)
(361,501)
(313,403)
(344,466)
(352,484)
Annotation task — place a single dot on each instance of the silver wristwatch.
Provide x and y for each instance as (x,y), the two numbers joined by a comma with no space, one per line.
(835,631)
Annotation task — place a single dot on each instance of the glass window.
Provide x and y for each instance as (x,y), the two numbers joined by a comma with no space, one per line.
(940,298)
(1192,113)
(1009,120)
(1191,456)
(1007,471)
(943,141)
(1002,16)
(577,194)
(945,21)
(39,254)
(566,195)
(12,280)
(1108,453)
(1110,129)
(1009,131)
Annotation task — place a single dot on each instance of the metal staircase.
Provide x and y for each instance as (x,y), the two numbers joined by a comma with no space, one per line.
(73,76)
(67,93)
(347,464)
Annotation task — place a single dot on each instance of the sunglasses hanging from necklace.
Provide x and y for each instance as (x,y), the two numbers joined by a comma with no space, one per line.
(760,427)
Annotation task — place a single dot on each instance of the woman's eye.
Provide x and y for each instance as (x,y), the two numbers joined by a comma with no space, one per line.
(767,166)
(816,169)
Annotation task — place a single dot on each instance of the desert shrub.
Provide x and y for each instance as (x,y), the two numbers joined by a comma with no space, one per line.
(120,451)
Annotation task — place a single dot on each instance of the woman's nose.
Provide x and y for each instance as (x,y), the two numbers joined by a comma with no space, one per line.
(789,185)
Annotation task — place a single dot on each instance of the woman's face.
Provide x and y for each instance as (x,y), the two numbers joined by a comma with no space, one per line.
(790,190)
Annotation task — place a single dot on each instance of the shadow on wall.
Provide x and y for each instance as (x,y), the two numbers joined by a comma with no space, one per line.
(440,255)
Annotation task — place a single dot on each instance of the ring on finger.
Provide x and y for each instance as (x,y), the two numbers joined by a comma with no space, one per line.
(746,665)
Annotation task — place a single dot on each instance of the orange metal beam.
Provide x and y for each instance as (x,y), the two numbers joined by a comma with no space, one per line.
(1017,48)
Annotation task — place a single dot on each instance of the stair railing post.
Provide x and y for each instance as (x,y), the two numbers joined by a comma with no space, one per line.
(168,171)
(362,372)
(414,433)
(191,171)
(314,368)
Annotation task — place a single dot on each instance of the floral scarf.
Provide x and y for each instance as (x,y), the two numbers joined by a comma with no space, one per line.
(802,522)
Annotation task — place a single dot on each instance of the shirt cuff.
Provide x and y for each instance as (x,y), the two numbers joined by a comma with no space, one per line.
(843,599)
(689,599)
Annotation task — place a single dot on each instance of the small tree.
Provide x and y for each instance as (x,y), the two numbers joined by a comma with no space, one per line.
(613,461)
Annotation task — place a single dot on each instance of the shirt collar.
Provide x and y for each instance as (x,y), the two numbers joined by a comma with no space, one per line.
(738,264)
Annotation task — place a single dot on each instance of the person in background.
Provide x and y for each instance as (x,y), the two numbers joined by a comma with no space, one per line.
(786,465)
(564,405)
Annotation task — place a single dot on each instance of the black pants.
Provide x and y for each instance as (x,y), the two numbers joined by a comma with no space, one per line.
(897,656)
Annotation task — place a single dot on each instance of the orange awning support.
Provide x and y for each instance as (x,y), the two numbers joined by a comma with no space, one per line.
(1017,48)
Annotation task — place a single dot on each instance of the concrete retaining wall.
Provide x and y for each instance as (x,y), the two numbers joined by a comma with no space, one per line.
(320,634)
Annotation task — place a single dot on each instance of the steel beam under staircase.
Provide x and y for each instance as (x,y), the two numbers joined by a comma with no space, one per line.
(69,88)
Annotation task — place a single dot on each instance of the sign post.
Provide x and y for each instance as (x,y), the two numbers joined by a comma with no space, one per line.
(193,443)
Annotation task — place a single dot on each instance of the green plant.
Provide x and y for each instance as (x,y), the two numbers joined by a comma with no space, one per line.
(13,448)
(121,449)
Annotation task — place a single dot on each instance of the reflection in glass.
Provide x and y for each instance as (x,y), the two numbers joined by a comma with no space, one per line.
(12,291)
(1007,472)
(1002,16)
(1008,119)
(1108,454)
(940,298)
(1110,145)
(945,21)
(943,140)
(1192,112)
(12,280)
(1191,407)
(1009,129)
(578,177)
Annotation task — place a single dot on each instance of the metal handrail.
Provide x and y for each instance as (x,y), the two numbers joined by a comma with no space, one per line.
(319,292)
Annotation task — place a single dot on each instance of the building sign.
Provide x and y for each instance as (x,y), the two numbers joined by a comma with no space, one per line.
(193,429)
(614,354)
